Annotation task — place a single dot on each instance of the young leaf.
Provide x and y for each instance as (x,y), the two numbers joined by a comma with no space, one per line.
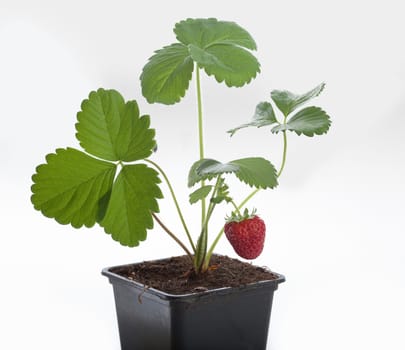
(222,193)
(133,198)
(200,193)
(308,121)
(264,115)
(165,78)
(287,101)
(257,172)
(71,186)
(111,129)
(218,199)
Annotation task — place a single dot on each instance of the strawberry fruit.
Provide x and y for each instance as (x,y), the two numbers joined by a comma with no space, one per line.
(246,235)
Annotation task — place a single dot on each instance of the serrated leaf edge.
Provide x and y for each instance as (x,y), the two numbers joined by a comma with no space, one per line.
(285,127)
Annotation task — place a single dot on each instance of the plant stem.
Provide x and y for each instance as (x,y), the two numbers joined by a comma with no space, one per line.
(200,135)
(211,250)
(284,153)
(236,208)
(176,203)
(172,235)
(201,252)
(248,198)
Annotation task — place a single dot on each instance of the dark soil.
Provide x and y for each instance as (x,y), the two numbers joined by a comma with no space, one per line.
(175,275)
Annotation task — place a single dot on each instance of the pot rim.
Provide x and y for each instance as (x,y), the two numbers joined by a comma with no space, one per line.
(145,290)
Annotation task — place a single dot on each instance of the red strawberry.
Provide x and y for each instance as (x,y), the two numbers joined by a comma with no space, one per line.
(246,236)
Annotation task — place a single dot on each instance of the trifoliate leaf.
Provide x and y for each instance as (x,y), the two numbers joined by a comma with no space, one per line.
(264,115)
(200,194)
(204,32)
(221,48)
(133,199)
(308,121)
(287,101)
(111,129)
(228,63)
(165,78)
(71,187)
(257,172)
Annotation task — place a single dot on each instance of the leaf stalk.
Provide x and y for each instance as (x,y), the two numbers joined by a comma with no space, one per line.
(172,235)
(284,153)
(200,135)
(176,203)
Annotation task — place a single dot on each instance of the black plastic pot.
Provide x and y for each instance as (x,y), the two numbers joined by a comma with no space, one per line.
(220,319)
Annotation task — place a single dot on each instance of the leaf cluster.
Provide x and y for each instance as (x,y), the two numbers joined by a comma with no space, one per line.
(110,182)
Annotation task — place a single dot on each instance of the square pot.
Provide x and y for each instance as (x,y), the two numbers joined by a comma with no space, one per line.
(234,318)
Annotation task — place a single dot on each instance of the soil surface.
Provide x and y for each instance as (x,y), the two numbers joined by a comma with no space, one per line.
(176,276)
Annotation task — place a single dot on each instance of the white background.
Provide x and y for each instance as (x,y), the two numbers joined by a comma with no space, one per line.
(335,223)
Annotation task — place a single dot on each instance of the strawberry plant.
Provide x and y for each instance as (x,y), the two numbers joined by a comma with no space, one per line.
(113,180)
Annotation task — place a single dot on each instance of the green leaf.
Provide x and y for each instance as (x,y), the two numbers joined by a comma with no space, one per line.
(227,63)
(220,47)
(200,194)
(111,129)
(204,32)
(71,187)
(308,121)
(264,115)
(222,193)
(133,199)
(136,140)
(287,101)
(194,174)
(257,172)
(166,77)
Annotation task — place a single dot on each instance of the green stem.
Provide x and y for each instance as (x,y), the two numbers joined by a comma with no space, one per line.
(176,203)
(248,198)
(236,208)
(203,239)
(284,153)
(211,250)
(212,204)
(200,136)
(172,235)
